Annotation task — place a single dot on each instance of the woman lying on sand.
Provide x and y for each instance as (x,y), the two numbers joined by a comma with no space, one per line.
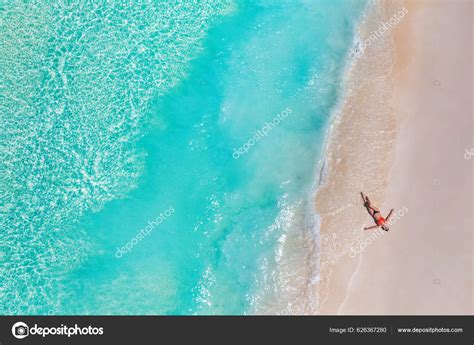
(375,213)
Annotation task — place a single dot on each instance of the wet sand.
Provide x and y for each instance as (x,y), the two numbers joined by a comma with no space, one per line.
(358,155)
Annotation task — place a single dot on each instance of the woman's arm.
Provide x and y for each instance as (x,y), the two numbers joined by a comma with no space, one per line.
(371,227)
(389,215)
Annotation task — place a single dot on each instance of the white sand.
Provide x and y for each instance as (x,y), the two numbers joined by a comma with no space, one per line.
(423,265)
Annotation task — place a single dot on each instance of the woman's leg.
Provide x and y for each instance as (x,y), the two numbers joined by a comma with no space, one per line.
(370,208)
(371,212)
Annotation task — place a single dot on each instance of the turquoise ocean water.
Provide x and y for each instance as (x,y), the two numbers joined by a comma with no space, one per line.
(122,192)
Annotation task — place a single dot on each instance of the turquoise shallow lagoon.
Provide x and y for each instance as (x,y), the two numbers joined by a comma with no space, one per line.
(121,189)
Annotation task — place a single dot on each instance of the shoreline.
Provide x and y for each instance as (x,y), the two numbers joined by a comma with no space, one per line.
(362,115)
(400,35)
(407,162)
(424,264)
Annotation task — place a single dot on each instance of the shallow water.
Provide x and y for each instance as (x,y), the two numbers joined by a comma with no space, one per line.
(113,115)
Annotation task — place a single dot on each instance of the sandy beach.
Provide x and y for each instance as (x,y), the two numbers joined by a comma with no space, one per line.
(401,136)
